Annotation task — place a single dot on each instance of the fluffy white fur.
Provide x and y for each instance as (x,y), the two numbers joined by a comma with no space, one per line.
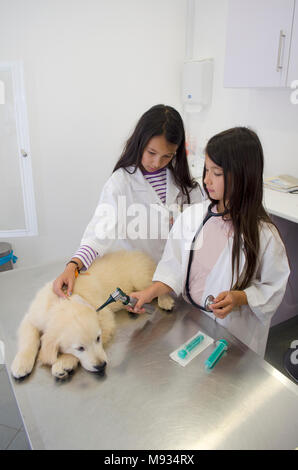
(61,328)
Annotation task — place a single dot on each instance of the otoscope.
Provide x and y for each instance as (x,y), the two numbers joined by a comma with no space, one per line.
(118,294)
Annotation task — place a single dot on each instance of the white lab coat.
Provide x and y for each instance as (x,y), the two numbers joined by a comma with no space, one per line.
(249,323)
(117,225)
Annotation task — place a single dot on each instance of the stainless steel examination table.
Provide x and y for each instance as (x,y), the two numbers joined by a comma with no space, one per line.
(146,400)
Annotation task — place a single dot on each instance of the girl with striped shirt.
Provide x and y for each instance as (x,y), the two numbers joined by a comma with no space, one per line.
(152,171)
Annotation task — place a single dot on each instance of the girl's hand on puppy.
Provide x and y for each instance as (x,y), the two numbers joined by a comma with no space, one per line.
(65,280)
(226,301)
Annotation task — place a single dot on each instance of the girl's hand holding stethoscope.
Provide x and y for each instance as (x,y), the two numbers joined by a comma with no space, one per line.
(226,301)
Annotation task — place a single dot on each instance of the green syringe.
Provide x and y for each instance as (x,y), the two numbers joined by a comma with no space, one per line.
(182,353)
(221,347)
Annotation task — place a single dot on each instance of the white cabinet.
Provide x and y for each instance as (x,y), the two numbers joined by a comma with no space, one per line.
(258,43)
(293,62)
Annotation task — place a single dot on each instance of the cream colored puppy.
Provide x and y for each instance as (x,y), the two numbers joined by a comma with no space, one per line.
(69,332)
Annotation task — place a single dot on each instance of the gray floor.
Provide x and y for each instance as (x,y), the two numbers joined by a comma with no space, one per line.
(13,436)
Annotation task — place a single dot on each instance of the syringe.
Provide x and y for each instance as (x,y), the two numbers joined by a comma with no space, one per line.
(222,346)
(182,353)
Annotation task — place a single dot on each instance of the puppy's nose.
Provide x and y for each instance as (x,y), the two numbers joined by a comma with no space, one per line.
(101,368)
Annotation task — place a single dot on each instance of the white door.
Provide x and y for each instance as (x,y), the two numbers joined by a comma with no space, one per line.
(17,205)
(258,42)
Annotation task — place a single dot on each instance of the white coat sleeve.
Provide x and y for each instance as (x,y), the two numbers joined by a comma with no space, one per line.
(266,291)
(103,229)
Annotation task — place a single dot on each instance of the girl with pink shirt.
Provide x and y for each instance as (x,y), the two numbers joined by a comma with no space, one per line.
(227,247)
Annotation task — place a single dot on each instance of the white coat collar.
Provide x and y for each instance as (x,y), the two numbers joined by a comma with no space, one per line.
(172,188)
(141,184)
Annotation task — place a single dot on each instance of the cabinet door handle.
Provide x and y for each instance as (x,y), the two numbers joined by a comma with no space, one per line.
(280,49)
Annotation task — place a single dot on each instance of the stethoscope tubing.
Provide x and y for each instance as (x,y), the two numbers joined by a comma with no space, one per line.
(190,259)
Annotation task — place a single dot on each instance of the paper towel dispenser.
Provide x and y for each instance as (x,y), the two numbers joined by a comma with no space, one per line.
(197,84)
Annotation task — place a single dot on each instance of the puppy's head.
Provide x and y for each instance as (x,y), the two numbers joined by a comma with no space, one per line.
(75,329)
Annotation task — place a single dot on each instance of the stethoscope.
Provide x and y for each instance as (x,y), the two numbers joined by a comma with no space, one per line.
(210,298)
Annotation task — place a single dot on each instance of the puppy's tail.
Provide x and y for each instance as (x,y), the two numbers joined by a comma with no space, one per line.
(28,346)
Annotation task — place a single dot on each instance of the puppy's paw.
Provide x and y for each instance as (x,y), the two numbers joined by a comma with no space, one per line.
(65,365)
(22,365)
(166,302)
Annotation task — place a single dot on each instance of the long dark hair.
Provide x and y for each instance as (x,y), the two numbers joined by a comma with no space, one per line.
(166,121)
(238,151)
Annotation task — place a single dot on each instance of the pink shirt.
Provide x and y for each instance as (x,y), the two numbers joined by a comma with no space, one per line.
(214,237)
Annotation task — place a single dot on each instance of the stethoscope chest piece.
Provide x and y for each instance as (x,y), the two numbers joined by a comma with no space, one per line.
(208,301)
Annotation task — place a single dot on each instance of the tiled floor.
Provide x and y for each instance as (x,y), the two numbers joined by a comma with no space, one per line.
(13,436)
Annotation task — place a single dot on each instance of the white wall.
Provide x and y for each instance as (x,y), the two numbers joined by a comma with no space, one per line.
(92,67)
(268,111)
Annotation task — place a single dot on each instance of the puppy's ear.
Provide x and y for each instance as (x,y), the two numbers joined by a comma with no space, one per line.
(48,354)
(107,324)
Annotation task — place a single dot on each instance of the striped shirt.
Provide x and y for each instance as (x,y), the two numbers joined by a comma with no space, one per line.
(158,181)
(87,255)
